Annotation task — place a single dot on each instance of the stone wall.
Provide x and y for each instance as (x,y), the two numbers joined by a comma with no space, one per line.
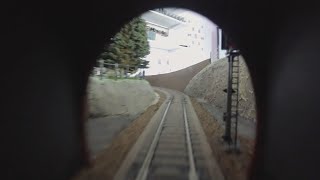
(209,83)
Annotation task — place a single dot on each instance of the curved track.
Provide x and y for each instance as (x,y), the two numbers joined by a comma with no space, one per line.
(172,146)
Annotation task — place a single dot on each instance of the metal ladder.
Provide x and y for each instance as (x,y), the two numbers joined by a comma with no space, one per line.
(231,115)
(235,95)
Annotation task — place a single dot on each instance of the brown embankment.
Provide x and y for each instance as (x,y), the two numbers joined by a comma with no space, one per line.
(177,80)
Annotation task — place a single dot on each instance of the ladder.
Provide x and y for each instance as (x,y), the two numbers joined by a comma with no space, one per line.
(231,115)
(235,94)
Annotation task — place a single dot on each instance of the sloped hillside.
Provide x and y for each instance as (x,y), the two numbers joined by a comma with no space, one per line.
(122,97)
(209,83)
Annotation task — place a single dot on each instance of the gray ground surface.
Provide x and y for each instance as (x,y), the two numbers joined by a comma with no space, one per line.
(113,105)
(245,128)
(102,130)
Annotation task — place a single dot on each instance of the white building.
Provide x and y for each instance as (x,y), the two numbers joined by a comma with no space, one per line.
(179,38)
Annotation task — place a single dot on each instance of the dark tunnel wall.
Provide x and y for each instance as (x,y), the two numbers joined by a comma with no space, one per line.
(279,41)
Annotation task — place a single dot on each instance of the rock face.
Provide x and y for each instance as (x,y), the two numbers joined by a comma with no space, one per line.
(122,97)
(209,83)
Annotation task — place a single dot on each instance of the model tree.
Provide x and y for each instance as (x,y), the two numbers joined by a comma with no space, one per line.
(130,46)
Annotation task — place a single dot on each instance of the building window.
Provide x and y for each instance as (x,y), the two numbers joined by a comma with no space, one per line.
(159,61)
(151,35)
(198,30)
(199,43)
(202,49)
(189,34)
(192,28)
(192,42)
(168,62)
(195,36)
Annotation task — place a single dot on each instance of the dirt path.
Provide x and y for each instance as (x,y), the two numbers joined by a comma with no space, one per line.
(109,160)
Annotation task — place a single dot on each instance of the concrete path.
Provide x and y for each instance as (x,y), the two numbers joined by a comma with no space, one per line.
(102,130)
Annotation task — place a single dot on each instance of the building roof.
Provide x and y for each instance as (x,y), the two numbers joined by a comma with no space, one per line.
(165,18)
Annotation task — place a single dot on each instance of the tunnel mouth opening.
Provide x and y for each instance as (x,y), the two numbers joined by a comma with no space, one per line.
(112,73)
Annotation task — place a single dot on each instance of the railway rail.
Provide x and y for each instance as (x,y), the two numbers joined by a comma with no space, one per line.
(171,148)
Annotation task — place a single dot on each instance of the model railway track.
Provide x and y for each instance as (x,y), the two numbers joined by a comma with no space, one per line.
(172,146)
(174,134)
